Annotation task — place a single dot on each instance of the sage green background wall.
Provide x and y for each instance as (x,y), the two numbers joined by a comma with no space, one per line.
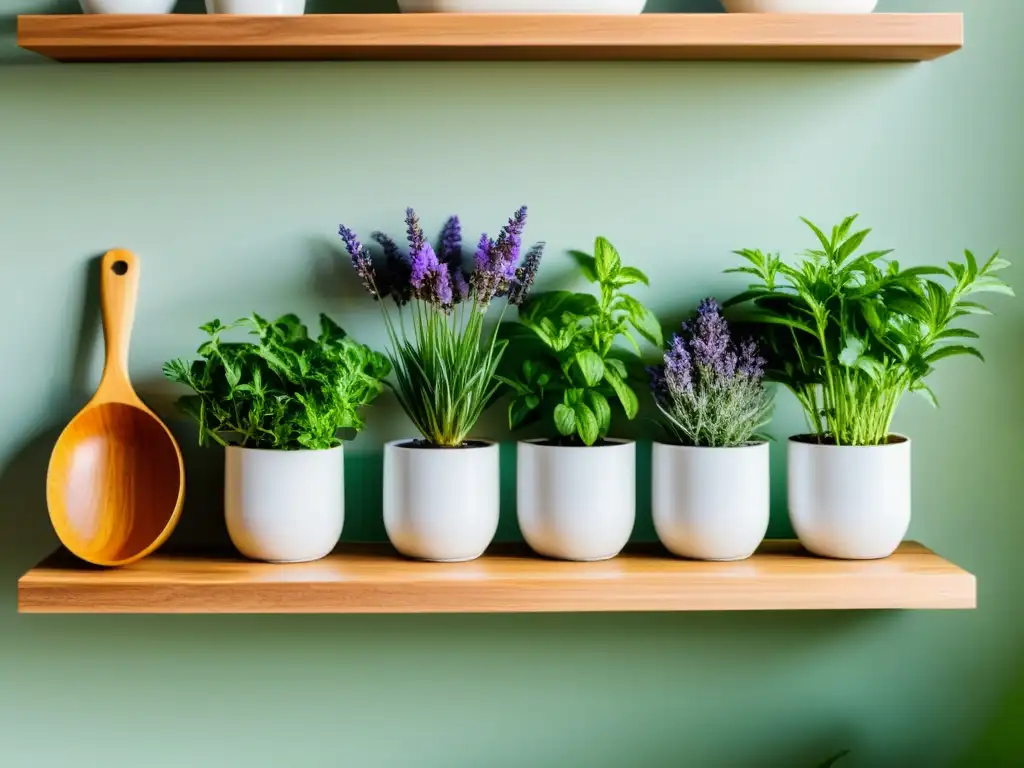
(229,182)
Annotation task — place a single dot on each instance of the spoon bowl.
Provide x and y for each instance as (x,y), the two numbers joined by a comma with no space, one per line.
(116,479)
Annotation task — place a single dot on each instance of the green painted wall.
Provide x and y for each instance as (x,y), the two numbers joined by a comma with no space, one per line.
(229,182)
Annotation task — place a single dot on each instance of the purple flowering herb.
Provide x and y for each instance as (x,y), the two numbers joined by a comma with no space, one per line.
(710,386)
(451,242)
(525,275)
(496,261)
(423,262)
(679,373)
(414,232)
(396,270)
(711,341)
(751,363)
(459,285)
(361,259)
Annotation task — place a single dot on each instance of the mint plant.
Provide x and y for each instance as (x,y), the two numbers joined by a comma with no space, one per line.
(850,333)
(283,391)
(564,362)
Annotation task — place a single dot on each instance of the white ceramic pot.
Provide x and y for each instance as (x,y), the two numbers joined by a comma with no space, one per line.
(799,6)
(628,7)
(284,506)
(711,503)
(850,502)
(128,6)
(441,504)
(576,503)
(257,7)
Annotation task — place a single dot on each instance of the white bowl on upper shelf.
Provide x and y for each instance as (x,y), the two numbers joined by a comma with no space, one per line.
(623,7)
(257,7)
(799,6)
(128,6)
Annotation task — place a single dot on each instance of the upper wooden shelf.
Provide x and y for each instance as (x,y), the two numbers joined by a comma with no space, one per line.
(196,37)
(368,578)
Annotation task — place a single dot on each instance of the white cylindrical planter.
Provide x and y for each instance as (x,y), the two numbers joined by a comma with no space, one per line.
(576,503)
(284,506)
(850,502)
(441,504)
(711,503)
(257,7)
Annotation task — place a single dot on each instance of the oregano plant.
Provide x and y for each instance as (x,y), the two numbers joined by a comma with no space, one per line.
(284,390)
(566,362)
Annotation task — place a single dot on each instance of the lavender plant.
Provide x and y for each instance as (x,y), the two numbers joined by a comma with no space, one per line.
(445,365)
(710,388)
(850,333)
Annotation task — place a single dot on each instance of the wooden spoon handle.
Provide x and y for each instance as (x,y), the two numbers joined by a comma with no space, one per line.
(119,285)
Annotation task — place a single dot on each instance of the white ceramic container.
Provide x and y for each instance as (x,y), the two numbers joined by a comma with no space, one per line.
(128,6)
(799,6)
(850,502)
(576,503)
(711,503)
(627,7)
(257,7)
(284,506)
(441,504)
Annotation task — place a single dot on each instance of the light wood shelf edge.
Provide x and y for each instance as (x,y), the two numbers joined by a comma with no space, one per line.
(680,36)
(373,579)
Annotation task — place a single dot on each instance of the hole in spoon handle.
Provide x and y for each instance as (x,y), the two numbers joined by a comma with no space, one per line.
(118,285)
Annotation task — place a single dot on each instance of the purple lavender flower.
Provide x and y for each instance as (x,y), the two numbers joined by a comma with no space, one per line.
(397,270)
(679,373)
(361,259)
(711,341)
(710,386)
(451,242)
(414,232)
(460,285)
(751,363)
(525,275)
(423,262)
(497,260)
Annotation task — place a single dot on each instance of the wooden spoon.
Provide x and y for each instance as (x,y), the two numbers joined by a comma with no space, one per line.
(116,480)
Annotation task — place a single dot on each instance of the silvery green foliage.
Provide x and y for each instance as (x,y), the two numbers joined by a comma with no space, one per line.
(710,387)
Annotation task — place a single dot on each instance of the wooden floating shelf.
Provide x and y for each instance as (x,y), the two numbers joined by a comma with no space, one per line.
(196,37)
(371,578)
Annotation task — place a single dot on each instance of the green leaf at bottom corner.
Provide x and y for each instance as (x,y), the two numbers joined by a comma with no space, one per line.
(565,420)
(602,411)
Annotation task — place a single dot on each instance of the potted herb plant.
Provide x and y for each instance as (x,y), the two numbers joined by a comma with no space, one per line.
(850,333)
(441,491)
(278,403)
(577,488)
(710,486)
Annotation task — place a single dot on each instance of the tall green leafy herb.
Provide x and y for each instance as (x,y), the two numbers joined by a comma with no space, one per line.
(283,391)
(850,333)
(563,363)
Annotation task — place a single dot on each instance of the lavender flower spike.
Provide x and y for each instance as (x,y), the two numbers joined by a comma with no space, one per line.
(423,262)
(360,259)
(525,275)
(451,242)
(414,232)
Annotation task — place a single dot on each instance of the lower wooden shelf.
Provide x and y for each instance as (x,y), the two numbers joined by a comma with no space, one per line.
(372,578)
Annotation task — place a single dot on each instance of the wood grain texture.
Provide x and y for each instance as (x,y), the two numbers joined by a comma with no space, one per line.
(370,578)
(194,37)
(116,479)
